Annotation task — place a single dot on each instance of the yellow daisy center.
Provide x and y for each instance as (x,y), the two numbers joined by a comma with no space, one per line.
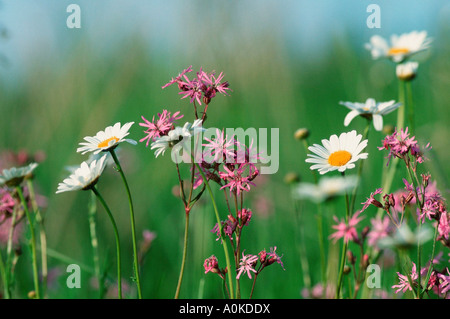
(339,158)
(394,51)
(105,143)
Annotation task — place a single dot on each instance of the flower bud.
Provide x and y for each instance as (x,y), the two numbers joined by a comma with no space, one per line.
(347,270)
(407,71)
(291,178)
(301,134)
(388,129)
(351,258)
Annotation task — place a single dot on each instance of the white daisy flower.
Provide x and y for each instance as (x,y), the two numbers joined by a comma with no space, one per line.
(83,177)
(15,175)
(370,109)
(400,48)
(327,188)
(106,140)
(407,71)
(337,153)
(177,138)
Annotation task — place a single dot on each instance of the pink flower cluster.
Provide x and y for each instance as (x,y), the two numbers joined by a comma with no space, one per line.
(229,226)
(201,88)
(399,144)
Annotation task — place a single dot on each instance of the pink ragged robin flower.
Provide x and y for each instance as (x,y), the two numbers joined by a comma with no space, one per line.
(347,231)
(444,286)
(178,78)
(159,127)
(404,283)
(372,201)
(247,264)
(245,215)
(220,149)
(400,144)
(211,265)
(268,258)
(7,202)
(444,226)
(214,85)
(236,179)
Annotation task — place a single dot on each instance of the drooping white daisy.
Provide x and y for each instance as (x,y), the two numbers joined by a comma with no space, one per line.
(407,71)
(337,153)
(83,177)
(327,188)
(15,175)
(177,138)
(106,140)
(370,109)
(400,47)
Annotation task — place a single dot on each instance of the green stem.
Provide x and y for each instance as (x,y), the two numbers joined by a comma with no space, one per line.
(9,254)
(401,109)
(42,235)
(430,268)
(133,226)
(360,169)
(33,243)
(116,234)
(4,276)
(94,243)
(183,262)
(410,107)
(344,249)
(224,242)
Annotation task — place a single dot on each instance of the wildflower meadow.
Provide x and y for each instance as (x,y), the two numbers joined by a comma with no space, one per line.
(199,155)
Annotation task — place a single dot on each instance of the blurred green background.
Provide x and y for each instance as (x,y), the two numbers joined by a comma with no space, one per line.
(289,63)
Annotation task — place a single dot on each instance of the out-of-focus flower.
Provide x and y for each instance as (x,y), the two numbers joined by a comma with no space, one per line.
(407,71)
(444,286)
(15,175)
(107,140)
(347,231)
(326,189)
(404,238)
(370,109)
(337,153)
(380,229)
(85,177)
(400,47)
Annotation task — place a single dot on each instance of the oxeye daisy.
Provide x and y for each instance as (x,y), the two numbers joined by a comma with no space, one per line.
(337,153)
(400,47)
(371,110)
(107,140)
(84,177)
(327,188)
(14,176)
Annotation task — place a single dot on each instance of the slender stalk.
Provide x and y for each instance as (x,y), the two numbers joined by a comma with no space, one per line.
(9,268)
(42,235)
(133,226)
(344,249)
(410,104)
(224,242)
(401,109)
(183,261)
(33,243)
(360,169)
(116,234)
(430,268)
(94,243)
(4,277)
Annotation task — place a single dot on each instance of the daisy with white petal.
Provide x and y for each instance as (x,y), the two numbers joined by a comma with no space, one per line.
(107,140)
(327,188)
(14,176)
(371,110)
(337,153)
(400,47)
(84,177)
(177,138)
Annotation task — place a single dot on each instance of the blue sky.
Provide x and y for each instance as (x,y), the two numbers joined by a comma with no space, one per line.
(38,29)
